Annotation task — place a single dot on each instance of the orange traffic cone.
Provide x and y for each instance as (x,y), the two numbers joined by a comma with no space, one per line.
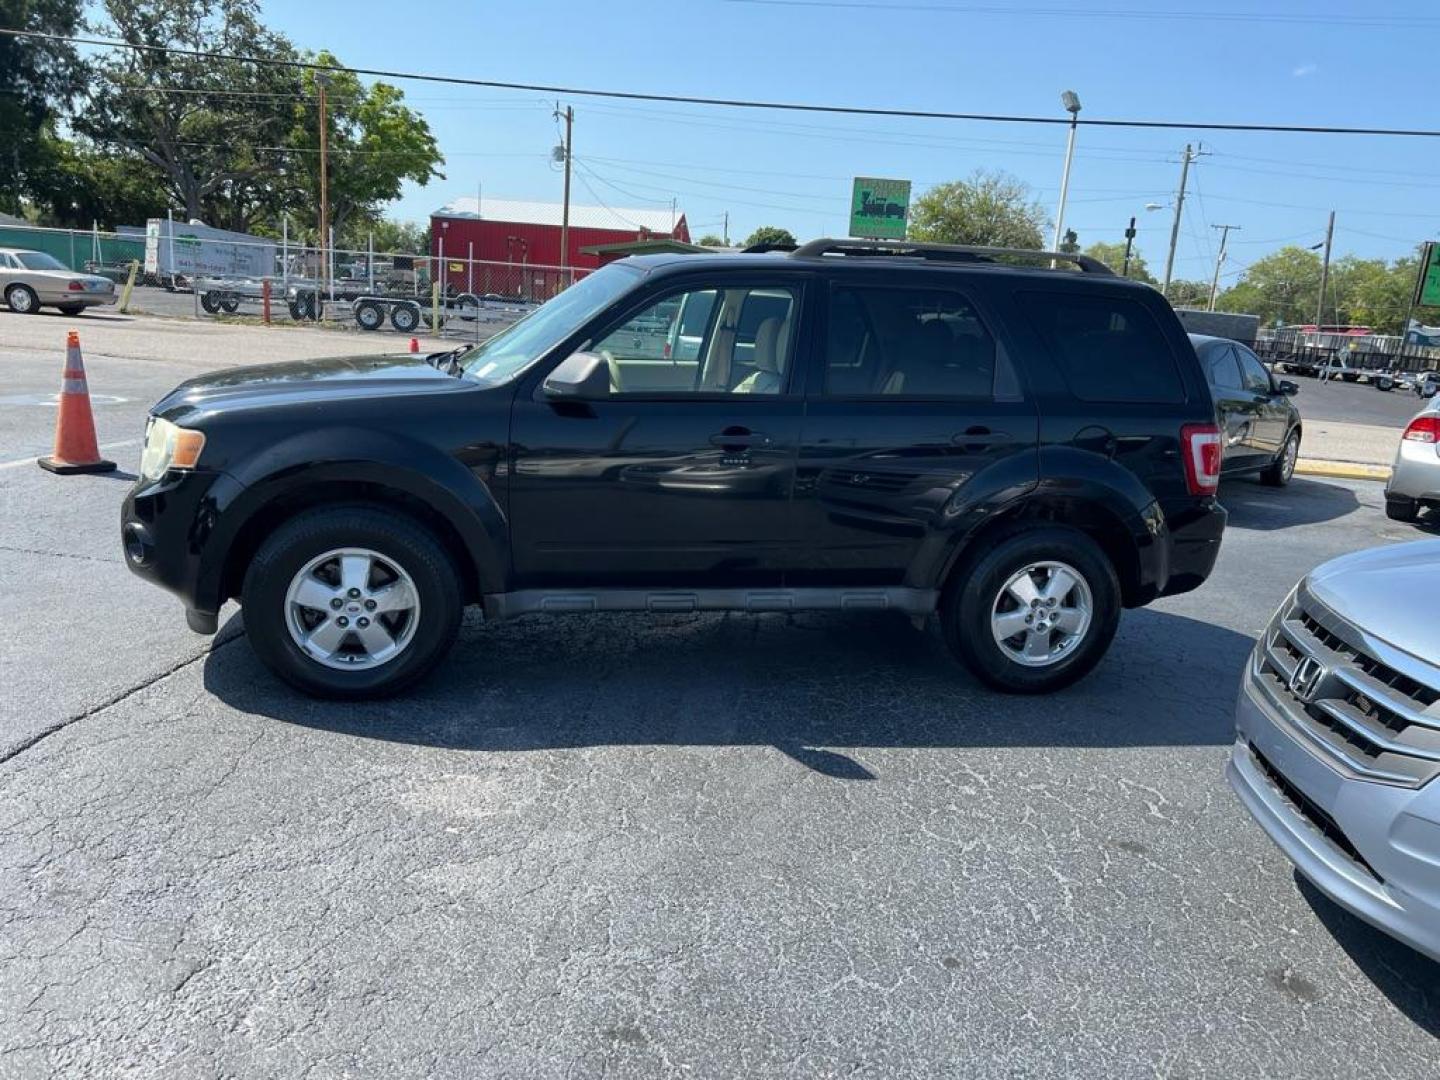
(414,344)
(75,448)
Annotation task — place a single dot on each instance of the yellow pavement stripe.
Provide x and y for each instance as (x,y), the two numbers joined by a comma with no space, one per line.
(1341,470)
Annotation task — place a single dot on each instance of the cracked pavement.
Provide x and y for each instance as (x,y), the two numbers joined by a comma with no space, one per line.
(633,846)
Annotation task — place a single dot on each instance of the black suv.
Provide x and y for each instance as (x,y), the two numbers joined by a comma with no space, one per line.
(851,425)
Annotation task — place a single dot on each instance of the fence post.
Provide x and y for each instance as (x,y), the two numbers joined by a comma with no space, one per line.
(435,306)
(265,301)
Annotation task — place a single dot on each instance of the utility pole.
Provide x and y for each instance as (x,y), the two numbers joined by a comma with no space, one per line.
(1219,261)
(321,82)
(1190,155)
(1129,243)
(565,210)
(725,229)
(1324,273)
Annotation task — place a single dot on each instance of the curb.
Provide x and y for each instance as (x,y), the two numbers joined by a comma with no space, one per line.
(1341,470)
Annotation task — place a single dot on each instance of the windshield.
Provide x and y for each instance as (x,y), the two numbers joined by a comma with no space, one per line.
(39,260)
(507,353)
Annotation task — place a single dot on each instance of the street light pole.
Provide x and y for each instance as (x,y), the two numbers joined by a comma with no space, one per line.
(1071,101)
(565,209)
(1219,261)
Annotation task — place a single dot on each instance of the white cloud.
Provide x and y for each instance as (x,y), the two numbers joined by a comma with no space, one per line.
(1305,69)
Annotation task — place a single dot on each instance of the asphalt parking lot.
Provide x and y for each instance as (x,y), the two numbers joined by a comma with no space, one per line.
(647,846)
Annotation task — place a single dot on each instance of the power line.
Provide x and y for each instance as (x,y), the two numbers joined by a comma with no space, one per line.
(732,103)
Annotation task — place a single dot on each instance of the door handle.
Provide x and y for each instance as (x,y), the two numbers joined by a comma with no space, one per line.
(739,439)
(980,436)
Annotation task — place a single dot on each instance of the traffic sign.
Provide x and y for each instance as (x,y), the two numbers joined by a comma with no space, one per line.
(879,208)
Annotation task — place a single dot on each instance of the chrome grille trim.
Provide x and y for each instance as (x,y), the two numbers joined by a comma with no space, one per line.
(1371,712)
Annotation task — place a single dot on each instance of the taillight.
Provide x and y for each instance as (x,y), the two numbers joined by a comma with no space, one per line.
(1200,447)
(76,286)
(1423,429)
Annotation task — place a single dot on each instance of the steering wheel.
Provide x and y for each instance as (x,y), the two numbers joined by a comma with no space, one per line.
(616,384)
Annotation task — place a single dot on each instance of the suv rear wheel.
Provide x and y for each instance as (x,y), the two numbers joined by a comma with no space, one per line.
(351,602)
(1034,612)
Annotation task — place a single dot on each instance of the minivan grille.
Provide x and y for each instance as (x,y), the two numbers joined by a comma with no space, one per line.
(1366,717)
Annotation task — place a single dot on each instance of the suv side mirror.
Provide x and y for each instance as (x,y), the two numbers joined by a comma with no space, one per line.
(581,376)
(1288,388)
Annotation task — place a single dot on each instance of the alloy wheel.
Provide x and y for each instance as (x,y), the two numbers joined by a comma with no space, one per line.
(352,609)
(1042,613)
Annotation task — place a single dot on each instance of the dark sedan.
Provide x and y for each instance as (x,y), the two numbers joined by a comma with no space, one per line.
(1259,424)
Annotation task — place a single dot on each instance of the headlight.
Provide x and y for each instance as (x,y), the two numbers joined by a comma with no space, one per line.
(169,447)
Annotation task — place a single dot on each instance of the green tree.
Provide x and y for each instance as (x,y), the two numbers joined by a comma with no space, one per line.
(36,76)
(399,237)
(1189,294)
(1071,243)
(1283,286)
(375,145)
(770,234)
(199,121)
(988,208)
(710,240)
(1113,256)
(77,184)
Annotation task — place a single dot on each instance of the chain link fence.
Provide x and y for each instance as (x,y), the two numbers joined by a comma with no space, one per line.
(187,271)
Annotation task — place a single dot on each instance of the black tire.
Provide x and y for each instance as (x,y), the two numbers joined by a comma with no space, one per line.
(467,306)
(976,584)
(22,300)
(1282,470)
(211,303)
(405,317)
(396,537)
(369,315)
(72,309)
(1402,509)
(230,305)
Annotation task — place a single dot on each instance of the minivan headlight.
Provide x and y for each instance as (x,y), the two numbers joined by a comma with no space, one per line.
(169,446)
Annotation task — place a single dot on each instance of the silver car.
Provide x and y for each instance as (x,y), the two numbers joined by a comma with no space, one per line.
(32,279)
(1415,477)
(1338,736)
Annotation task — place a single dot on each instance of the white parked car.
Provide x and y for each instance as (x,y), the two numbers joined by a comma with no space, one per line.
(30,280)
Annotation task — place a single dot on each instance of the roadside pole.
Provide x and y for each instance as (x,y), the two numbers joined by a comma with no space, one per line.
(1219,262)
(1129,244)
(565,208)
(1324,283)
(1175,226)
(129,287)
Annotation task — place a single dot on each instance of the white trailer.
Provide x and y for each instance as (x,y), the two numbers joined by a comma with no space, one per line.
(191,250)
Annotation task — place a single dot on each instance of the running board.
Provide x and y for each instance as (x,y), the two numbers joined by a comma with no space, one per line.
(569,601)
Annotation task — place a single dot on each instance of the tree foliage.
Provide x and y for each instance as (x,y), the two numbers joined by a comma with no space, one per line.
(1189,294)
(399,237)
(1285,288)
(36,77)
(710,240)
(988,208)
(769,234)
(237,144)
(1113,256)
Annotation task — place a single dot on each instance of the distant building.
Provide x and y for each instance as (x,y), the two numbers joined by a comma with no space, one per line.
(528,234)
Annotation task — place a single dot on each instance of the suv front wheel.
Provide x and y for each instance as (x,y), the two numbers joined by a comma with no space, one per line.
(1035,612)
(351,602)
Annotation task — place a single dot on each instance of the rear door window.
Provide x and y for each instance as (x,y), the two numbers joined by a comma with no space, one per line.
(1256,377)
(1221,370)
(1109,348)
(907,343)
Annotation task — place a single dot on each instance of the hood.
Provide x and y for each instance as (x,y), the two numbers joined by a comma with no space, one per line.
(335,379)
(1391,592)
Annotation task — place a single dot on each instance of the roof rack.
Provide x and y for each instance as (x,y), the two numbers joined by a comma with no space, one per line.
(943,252)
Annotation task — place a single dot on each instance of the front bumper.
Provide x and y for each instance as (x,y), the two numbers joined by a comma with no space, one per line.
(1372,848)
(169,537)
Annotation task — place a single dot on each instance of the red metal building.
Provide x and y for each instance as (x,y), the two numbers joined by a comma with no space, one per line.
(525,238)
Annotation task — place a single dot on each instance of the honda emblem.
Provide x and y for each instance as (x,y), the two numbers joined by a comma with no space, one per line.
(1306,678)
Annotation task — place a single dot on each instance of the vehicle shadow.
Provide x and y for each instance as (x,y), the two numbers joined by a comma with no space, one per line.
(89,316)
(806,684)
(1253,505)
(1409,979)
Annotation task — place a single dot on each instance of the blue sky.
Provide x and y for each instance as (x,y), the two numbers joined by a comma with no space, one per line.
(1321,62)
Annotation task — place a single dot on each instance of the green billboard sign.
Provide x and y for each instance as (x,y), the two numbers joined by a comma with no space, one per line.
(879,208)
(1427,289)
